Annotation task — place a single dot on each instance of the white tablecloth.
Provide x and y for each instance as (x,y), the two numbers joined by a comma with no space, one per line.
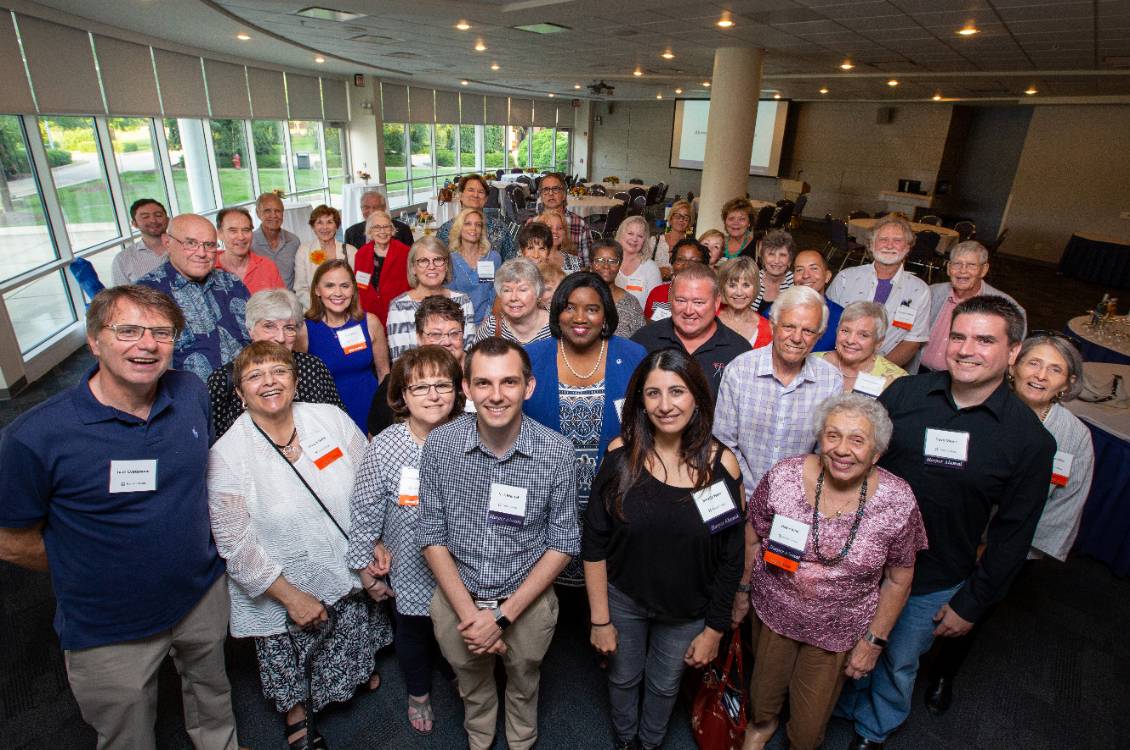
(1104,337)
(947,237)
(1115,420)
(589,205)
(443,212)
(351,194)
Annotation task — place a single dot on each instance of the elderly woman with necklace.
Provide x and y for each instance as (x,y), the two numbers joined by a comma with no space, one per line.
(581,377)
(830,550)
(860,332)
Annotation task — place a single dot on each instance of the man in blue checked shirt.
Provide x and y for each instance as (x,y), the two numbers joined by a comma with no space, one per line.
(498,522)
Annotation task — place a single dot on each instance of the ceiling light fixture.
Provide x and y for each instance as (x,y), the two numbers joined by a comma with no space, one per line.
(464,83)
(480,45)
(777,96)
(659,96)
(243,37)
(726,21)
(892,82)
(637,72)
(824,90)
(551,95)
(462,25)
(847,65)
(968,30)
(1030,90)
(495,66)
(668,54)
(706,84)
(577,86)
(678,91)
(319,59)
(937,96)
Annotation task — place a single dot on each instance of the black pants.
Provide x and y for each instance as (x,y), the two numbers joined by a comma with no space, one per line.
(417,652)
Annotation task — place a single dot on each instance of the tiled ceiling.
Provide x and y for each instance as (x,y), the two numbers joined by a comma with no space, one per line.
(1063,49)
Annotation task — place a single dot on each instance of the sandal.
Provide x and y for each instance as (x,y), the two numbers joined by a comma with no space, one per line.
(305,742)
(420,711)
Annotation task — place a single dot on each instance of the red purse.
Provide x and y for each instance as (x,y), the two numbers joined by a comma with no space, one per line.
(718,714)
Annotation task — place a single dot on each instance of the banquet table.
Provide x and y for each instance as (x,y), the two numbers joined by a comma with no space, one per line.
(1097,258)
(947,237)
(1104,532)
(508,177)
(351,194)
(1102,345)
(590,205)
(621,187)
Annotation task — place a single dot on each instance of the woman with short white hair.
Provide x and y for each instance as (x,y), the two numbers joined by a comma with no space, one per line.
(518,287)
(429,269)
(638,274)
(860,332)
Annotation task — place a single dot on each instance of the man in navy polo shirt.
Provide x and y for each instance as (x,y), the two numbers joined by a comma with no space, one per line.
(104,485)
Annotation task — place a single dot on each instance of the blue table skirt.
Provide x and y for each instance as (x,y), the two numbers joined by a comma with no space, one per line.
(1099,262)
(1095,352)
(1104,533)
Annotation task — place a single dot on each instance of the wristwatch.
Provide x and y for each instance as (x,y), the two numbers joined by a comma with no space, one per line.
(875,640)
(501,620)
(743,588)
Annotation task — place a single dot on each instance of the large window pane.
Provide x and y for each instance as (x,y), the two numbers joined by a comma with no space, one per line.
(103,262)
(136,158)
(543,148)
(446,164)
(306,147)
(335,161)
(561,162)
(80,179)
(192,170)
(468,153)
(420,143)
(270,155)
(493,137)
(39,310)
(23,226)
(229,140)
(394,152)
(519,148)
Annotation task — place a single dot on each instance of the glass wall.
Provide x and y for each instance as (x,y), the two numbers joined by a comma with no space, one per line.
(447,152)
(191,165)
(135,155)
(39,310)
(306,155)
(494,146)
(469,151)
(335,159)
(269,137)
(81,185)
(229,144)
(421,164)
(27,243)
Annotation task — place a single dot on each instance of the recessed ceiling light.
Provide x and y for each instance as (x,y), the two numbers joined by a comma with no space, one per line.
(668,54)
(638,71)
(968,30)
(462,25)
(937,97)
(577,86)
(480,45)
(678,91)
(551,95)
(824,90)
(1030,90)
(659,96)
(495,66)
(319,59)
(706,84)
(726,21)
(464,83)
(892,82)
(328,14)
(776,96)
(243,37)
(847,65)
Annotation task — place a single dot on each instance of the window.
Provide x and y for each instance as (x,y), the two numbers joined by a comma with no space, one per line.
(27,241)
(542,149)
(136,158)
(192,171)
(469,137)
(446,151)
(493,146)
(561,152)
(420,154)
(80,179)
(270,155)
(306,151)
(518,148)
(335,159)
(395,170)
(40,309)
(229,143)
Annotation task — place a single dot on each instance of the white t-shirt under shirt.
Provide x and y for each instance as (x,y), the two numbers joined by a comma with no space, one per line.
(641,281)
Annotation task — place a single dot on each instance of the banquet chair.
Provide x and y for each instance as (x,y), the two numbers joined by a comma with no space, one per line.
(492,197)
(801,202)
(606,226)
(764,219)
(783,214)
(931,219)
(516,170)
(635,181)
(924,253)
(498,174)
(638,205)
(838,240)
(966,230)
(622,195)
(653,194)
(598,189)
(634,191)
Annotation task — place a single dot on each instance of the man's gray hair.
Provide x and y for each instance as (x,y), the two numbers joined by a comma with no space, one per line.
(272,304)
(970,247)
(897,220)
(863,406)
(378,193)
(798,296)
(867,309)
(518,270)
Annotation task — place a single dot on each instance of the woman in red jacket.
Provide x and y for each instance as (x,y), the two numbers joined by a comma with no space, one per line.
(381,266)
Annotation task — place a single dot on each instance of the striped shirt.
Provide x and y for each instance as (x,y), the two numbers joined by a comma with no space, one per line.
(763,421)
(401,325)
(489,327)
(133,262)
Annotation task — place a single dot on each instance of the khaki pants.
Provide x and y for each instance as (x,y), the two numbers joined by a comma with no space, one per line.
(527,640)
(116,685)
(810,677)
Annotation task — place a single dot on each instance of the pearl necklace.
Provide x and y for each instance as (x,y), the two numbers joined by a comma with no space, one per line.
(592,372)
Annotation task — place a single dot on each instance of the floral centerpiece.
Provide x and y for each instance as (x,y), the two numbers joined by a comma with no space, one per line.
(613,180)
(365,176)
(446,195)
(423,216)
(578,191)
(531,170)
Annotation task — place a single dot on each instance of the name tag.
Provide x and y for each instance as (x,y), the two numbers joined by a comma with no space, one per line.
(1061,468)
(787,539)
(507,505)
(946,448)
(408,493)
(904,317)
(634,284)
(869,385)
(716,507)
(352,339)
(321,449)
(363,279)
(133,476)
(660,313)
(485,270)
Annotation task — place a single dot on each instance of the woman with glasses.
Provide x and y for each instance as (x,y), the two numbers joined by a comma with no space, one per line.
(605,258)
(638,274)
(272,315)
(429,269)
(520,318)
(474,264)
(381,266)
(473,192)
(425,391)
(278,496)
(659,247)
(562,253)
(325,221)
(349,340)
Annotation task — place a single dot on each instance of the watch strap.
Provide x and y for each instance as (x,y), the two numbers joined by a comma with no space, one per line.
(875,640)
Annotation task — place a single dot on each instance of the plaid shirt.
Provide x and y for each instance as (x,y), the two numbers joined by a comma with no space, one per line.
(763,421)
(579,233)
(456,472)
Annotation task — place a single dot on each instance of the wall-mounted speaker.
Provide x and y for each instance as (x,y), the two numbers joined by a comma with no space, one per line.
(611,107)
(886,116)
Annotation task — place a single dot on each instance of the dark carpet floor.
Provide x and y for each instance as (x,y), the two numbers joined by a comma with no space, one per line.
(1051,669)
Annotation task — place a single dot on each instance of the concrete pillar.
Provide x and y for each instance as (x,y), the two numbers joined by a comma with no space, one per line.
(735,89)
(196,166)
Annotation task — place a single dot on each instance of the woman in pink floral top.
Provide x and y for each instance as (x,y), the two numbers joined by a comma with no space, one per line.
(830,557)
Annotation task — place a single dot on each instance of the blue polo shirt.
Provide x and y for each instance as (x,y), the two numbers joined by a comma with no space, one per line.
(126,564)
(827,340)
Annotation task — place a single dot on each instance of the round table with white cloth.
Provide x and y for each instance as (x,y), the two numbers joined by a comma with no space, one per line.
(590,205)
(1110,342)
(947,237)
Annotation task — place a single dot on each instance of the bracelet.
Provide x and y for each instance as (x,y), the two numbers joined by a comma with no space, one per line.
(600,624)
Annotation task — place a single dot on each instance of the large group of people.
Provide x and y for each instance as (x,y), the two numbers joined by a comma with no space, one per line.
(453,444)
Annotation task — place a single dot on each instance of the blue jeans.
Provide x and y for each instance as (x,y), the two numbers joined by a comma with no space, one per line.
(650,649)
(880,702)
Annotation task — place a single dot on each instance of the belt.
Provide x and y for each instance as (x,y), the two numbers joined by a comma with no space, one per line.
(488,603)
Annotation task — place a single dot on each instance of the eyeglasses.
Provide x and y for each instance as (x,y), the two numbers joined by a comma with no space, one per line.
(381,228)
(431,262)
(422,389)
(964,265)
(552,190)
(606,261)
(256,376)
(130,332)
(194,244)
(288,329)
(443,335)
(684,217)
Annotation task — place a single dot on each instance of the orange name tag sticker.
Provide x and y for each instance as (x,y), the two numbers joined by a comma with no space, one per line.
(904,318)
(320,448)
(1061,468)
(785,546)
(352,339)
(363,279)
(634,284)
(781,561)
(408,491)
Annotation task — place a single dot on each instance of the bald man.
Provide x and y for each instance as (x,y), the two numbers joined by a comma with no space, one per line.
(374,201)
(213,301)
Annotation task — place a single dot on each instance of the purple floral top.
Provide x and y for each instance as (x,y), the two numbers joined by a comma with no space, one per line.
(831,606)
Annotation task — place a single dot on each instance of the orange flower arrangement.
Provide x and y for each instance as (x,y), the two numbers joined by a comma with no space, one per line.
(317,256)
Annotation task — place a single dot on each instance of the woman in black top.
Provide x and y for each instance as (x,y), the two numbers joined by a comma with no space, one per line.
(662,544)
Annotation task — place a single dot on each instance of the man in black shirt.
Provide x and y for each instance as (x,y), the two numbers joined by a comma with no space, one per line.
(965,443)
(694,326)
(370,202)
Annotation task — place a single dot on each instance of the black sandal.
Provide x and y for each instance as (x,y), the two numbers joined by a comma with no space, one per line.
(305,742)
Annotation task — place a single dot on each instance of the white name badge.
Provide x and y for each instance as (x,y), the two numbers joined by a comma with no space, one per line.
(507,505)
(363,279)
(946,448)
(1061,468)
(785,546)
(904,317)
(619,404)
(869,385)
(716,507)
(133,476)
(635,284)
(408,492)
(352,339)
(319,447)
(660,313)
(485,270)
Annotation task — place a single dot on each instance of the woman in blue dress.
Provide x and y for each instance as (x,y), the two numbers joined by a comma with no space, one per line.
(349,340)
(473,263)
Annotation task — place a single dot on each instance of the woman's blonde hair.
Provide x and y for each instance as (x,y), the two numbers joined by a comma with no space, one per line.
(567,245)
(455,239)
